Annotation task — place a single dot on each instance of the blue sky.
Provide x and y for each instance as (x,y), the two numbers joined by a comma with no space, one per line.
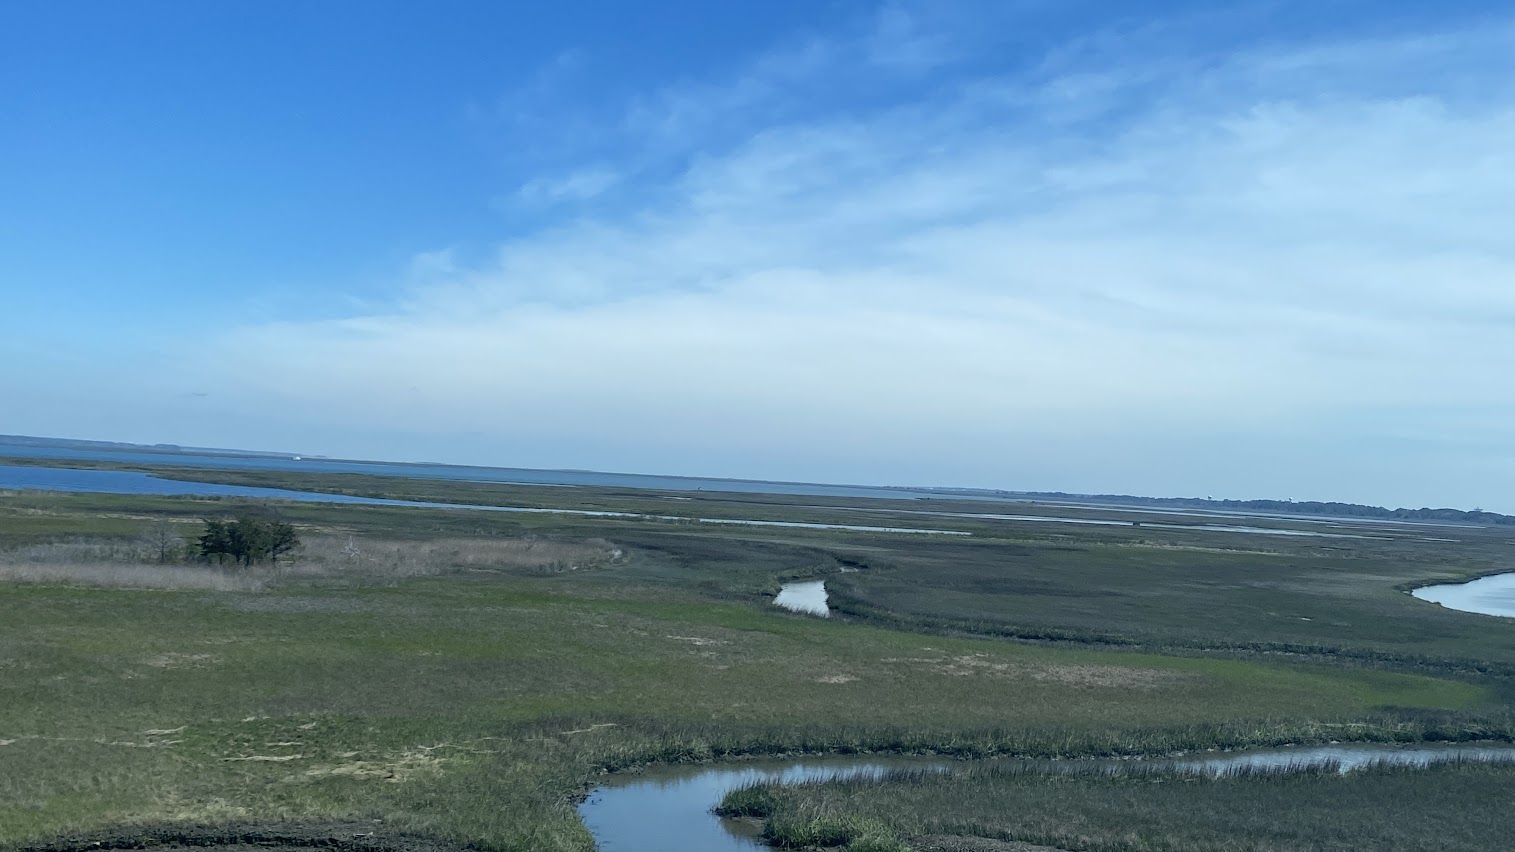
(1245,249)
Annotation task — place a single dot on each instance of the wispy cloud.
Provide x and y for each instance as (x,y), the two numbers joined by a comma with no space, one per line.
(580,185)
(1060,275)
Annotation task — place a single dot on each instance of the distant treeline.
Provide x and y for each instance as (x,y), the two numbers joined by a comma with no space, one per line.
(1309,507)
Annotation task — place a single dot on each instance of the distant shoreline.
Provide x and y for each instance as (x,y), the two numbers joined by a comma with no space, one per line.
(1285,509)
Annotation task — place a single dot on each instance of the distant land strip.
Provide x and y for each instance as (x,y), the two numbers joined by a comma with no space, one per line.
(1308,507)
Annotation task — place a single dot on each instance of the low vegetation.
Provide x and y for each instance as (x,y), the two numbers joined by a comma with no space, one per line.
(1449,807)
(469,675)
(135,563)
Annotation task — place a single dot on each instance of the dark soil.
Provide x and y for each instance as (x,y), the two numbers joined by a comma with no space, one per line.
(253,837)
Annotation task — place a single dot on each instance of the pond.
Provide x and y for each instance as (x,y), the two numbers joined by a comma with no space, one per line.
(1494,595)
(809,598)
(668,808)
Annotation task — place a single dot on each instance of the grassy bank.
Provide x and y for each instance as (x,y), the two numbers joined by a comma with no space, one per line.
(1448,807)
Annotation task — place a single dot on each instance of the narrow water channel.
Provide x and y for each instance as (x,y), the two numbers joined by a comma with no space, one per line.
(668,809)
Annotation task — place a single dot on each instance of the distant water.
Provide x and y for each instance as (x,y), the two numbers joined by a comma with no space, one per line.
(23,477)
(520,476)
(132,482)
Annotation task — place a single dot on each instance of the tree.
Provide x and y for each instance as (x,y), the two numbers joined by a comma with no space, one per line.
(247,540)
(216,540)
(161,537)
(282,539)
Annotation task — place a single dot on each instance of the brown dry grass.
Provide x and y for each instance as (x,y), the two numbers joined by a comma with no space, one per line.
(334,555)
(1090,675)
(133,564)
(124,575)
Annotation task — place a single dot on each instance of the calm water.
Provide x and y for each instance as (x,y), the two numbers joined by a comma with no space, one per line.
(518,476)
(132,482)
(1488,595)
(809,598)
(668,809)
(1348,757)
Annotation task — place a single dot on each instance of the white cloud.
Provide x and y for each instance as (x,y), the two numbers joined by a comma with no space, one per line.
(580,185)
(1034,282)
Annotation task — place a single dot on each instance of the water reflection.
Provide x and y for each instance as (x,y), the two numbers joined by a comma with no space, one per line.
(668,809)
(809,598)
(1347,758)
(1487,595)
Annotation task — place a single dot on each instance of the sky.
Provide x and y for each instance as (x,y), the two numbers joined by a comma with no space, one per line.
(1248,250)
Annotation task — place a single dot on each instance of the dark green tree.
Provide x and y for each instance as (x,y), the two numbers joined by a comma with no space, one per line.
(216,540)
(282,539)
(247,540)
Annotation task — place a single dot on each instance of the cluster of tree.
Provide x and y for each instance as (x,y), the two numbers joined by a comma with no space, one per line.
(247,540)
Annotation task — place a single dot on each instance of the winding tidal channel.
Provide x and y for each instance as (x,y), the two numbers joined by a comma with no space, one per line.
(668,808)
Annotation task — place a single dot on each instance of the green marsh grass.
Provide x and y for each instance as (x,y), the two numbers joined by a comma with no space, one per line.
(1459,805)
(459,688)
